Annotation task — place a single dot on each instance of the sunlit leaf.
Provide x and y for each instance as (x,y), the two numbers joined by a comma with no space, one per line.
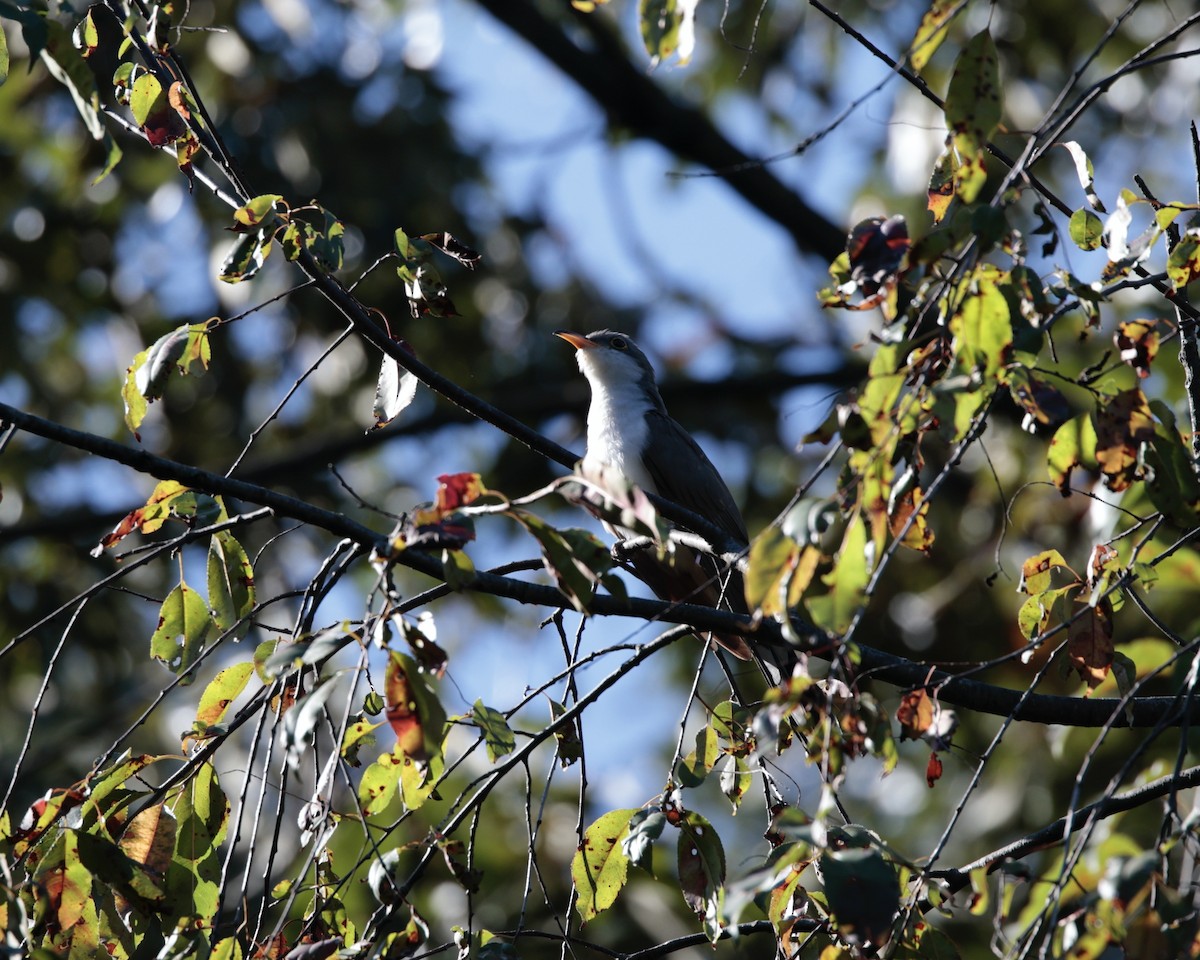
(257,214)
(183,623)
(982,325)
(973,111)
(1073,445)
(847,582)
(230,584)
(1183,263)
(246,257)
(601,866)
(1138,342)
(394,391)
(221,691)
(692,769)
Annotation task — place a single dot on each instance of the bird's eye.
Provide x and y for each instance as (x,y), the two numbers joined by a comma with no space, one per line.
(619,343)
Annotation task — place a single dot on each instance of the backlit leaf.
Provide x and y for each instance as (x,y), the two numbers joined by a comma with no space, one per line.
(413,709)
(982,325)
(1073,445)
(1086,229)
(230,584)
(497,734)
(973,112)
(1090,642)
(931,32)
(701,865)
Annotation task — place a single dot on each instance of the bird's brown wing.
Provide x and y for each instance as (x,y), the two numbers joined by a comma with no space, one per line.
(683,473)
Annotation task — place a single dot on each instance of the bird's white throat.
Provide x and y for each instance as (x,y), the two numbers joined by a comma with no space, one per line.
(616,424)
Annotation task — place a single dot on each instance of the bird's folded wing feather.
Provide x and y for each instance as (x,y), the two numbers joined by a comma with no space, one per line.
(683,473)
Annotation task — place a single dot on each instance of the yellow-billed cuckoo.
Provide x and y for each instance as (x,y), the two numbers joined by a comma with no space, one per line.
(628,428)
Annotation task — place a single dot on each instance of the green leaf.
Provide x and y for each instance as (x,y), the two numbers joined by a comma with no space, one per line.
(146,98)
(3,56)
(221,691)
(230,948)
(861,887)
(736,780)
(600,866)
(982,325)
(701,866)
(660,21)
(1172,484)
(230,584)
(1183,263)
(183,623)
(931,32)
(575,558)
(63,871)
(258,214)
(132,396)
(847,582)
(645,827)
(973,112)
(378,785)
(1037,572)
(773,557)
(1073,445)
(193,881)
(692,769)
(202,812)
(497,734)
(1086,229)
(246,258)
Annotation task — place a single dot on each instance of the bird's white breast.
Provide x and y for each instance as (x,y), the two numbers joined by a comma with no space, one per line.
(616,423)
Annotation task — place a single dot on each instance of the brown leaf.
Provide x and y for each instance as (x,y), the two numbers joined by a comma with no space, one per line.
(1123,424)
(1138,342)
(915,714)
(1090,643)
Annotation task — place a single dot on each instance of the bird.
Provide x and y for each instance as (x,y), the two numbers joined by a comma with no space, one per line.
(629,430)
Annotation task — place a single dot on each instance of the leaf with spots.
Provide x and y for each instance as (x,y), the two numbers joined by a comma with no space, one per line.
(973,112)
(183,623)
(600,867)
(1123,424)
(221,692)
(931,32)
(1073,445)
(1138,342)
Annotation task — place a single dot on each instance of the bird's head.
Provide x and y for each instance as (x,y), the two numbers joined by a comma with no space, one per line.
(612,362)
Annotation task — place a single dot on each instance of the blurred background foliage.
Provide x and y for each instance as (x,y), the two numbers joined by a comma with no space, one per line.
(381,111)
